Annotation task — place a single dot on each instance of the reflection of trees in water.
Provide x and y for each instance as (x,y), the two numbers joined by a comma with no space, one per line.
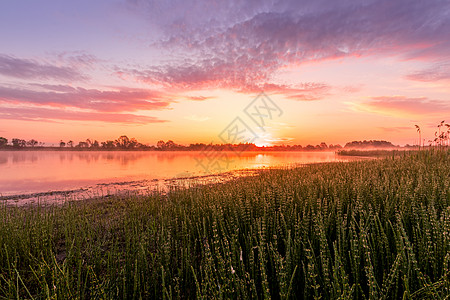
(123,158)
(88,157)
(166,156)
(18,157)
(109,156)
(65,156)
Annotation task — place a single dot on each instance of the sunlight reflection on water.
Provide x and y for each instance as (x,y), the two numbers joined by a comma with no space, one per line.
(27,172)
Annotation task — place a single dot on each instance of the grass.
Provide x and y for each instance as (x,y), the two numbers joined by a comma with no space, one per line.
(377,229)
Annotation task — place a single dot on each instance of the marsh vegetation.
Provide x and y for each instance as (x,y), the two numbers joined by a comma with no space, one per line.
(377,229)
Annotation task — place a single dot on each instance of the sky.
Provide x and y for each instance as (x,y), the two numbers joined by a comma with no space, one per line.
(189,71)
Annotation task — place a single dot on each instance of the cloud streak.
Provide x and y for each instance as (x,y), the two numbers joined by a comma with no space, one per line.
(435,73)
(396,128)
(118,100)
(404,106)
(49,114)
(31,69)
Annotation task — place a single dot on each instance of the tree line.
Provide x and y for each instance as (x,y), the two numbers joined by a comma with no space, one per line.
(126,143)
(441,138)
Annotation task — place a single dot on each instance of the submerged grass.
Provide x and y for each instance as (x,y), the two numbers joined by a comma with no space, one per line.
(376,229)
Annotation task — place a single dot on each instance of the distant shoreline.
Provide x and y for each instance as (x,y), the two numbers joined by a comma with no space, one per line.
(74,149)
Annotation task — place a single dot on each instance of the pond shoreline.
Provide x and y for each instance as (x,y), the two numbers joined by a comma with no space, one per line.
(142,187)
(45,172)
(135,187)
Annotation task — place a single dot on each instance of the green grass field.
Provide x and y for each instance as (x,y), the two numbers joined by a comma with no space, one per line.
(376,229)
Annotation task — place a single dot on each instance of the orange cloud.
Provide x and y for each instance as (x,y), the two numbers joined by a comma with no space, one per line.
(395,129)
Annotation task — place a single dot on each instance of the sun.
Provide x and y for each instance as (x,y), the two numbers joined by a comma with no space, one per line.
(263,143)
(264,140)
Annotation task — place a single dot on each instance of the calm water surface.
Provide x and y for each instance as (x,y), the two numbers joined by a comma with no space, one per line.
(43,171)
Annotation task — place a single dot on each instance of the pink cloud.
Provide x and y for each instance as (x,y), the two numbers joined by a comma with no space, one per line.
(198,98)
(306,92)
(350,89)
(49,114)
(247,42)
(31,69)
(77,59)
(54,87)
(117,100)
(435,73)
(221,75)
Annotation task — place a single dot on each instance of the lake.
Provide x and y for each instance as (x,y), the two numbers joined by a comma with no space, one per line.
(28,172)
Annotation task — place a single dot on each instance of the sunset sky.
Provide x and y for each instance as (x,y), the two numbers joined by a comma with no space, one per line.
(184,70)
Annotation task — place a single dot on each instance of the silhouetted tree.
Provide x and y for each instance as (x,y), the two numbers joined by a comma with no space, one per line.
(32,143)
(161,145)
(18,143)
(62,144)
(88,143)
(369,144)
(70,144)
(108,145)
(334,147)
(95,144)
(82,145)
(124,142)
(170,144)
(3,142)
